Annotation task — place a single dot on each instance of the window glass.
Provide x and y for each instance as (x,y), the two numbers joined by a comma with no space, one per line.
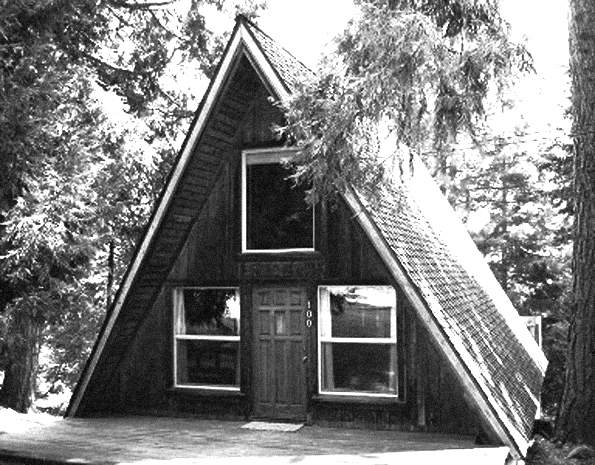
(351,367)
(207,337)
(361,311)
(211,312)
(213,363)
(358,350)
(277,214)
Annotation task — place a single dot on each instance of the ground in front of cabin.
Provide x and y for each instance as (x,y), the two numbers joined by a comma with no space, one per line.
(542,451)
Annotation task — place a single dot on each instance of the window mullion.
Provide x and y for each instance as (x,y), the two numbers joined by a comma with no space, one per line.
(194,337)
(359,340)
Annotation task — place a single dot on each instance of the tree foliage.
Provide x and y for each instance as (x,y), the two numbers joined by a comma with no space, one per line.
(88,124)
(525,233)
(418,70)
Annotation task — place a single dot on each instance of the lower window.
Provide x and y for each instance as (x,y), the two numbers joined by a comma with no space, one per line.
(358,340)
(207,338)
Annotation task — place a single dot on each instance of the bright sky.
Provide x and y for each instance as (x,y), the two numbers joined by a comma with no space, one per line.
(305,28)
(544,24)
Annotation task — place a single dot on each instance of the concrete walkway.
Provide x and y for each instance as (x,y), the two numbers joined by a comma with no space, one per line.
(154,441)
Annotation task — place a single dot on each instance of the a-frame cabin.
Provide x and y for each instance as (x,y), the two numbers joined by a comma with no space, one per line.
(242,302)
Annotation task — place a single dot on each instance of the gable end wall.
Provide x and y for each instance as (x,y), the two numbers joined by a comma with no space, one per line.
(210,255)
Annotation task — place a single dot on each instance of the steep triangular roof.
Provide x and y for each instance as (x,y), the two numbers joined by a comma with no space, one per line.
(419,238)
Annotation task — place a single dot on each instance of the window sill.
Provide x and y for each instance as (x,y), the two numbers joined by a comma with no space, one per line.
(206,392)
(273,255)
(355,399)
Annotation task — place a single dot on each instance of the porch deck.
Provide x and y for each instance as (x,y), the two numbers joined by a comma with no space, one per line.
(152,440)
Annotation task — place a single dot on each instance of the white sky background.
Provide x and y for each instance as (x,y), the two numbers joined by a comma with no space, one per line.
(305,28)
(544,24)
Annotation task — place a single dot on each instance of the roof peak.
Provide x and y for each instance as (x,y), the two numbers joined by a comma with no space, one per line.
(287,66)
(241,17)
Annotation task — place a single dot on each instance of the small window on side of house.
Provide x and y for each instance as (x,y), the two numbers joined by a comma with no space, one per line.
(358,341)
(275,214)
(207,338)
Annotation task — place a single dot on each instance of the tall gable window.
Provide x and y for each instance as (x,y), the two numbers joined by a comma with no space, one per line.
(207,338)
(275,215)
(358,340)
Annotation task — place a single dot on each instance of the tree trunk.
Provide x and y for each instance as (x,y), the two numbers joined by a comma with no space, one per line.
(20,375)
(576,416)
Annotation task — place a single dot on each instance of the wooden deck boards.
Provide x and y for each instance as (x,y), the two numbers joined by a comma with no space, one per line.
(186,440)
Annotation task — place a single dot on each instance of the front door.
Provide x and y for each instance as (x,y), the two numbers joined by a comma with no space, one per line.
(280,370)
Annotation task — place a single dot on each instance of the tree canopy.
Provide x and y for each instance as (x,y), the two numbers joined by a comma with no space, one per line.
(419,71)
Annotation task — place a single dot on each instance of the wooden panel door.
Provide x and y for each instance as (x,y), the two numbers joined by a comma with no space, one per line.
(280,369)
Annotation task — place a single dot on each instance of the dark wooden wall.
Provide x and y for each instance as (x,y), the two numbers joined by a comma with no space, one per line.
(430,395)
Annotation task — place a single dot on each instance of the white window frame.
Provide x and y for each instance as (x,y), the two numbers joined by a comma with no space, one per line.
(178,313)
(534,326)
(258,157)
(329,339)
